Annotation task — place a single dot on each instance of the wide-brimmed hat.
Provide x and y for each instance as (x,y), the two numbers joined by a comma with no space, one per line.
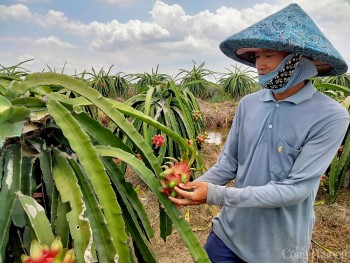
(290,30)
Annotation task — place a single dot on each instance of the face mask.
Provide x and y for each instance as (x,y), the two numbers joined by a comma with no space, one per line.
(291,71)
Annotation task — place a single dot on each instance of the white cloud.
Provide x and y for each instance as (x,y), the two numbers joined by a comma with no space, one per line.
(53,19)
(189,45)
(48,42)
(17,11)
(171,17)
(56,19)
(169,36)
(206,26)
(133,33)
(55,42)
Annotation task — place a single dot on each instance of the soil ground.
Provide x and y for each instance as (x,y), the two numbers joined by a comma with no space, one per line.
(331,234)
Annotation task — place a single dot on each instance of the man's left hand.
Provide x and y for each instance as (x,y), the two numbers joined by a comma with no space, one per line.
(191,193)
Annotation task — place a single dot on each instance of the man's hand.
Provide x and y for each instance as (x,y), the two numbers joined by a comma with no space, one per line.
(191,193)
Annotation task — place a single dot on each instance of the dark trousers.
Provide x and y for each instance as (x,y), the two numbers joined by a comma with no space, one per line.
(218,252)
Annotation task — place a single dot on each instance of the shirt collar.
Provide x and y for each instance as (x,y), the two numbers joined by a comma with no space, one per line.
(302,95)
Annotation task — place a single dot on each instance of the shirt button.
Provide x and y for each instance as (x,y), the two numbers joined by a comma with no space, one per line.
(270,126)
(277,105)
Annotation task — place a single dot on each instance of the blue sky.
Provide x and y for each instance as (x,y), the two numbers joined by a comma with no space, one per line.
(137,35)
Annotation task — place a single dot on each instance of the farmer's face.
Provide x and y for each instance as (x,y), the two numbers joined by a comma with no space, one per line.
(267,60)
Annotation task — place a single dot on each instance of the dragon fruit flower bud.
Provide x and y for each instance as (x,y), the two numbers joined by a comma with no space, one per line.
(158,140)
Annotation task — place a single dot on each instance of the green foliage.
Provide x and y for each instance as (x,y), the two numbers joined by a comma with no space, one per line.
(102,82)
(341,80)
(174,107)
(334,91)
(338,88)
(194,80)
(13,72)
(338,169)
(58,179)
(121,85)
(143,81)
(238,83)
(340,164)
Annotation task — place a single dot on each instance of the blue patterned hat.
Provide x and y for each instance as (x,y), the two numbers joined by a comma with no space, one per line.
(290,30)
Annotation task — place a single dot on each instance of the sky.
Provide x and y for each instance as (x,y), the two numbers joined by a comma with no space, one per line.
(137,36)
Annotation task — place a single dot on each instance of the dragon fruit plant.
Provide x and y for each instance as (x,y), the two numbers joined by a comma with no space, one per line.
(176,108)
(53,148)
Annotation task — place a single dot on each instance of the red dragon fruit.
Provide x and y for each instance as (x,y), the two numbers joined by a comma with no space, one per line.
(158,140)
(41,253)
(174,174)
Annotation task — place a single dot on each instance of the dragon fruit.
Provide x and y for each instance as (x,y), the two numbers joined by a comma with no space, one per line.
(41,253)
(158,140)
(174,174)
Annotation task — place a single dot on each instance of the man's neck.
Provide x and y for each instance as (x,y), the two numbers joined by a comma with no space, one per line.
(289,92)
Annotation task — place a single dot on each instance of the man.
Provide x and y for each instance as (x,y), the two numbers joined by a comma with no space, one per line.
(282,140)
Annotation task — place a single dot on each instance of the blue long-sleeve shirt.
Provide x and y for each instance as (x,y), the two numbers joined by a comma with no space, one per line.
(276,152)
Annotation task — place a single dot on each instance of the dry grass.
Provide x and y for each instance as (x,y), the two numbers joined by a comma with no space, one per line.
(331,235)
(218,115)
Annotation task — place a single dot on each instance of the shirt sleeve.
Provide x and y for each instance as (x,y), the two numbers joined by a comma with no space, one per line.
(313,160)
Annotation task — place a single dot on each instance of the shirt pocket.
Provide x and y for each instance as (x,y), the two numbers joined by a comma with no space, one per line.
(282,159)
